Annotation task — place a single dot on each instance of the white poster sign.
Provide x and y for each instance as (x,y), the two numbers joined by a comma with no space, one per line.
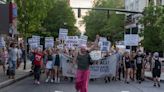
(2,42)
(33,45)
(72,41)
(49,42)
(63,33)
(83,40)
(102,39)
(131,39)
(105,45)
(95,55)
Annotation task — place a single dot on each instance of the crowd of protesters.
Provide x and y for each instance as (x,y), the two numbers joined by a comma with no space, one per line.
(130,65)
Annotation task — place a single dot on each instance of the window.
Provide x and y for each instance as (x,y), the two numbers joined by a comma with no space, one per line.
(127,31)
(135,30)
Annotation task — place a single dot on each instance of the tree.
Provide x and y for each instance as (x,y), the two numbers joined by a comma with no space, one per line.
(61,15)
(153,29)
(31,13)
(98,22)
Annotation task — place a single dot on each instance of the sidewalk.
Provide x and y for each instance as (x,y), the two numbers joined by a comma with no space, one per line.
(148,74)
(20,74)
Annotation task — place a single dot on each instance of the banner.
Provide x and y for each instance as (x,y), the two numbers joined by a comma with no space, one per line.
(106,67)
(62,33)
(95,55)
(49,42)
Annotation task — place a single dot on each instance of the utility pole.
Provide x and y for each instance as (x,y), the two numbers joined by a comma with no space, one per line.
(25,30)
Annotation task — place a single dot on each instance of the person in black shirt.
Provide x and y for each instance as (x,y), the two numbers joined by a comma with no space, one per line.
(127,66)
(156,69)
(139,65)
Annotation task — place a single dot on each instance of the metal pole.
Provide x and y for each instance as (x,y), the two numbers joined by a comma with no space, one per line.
(25,30)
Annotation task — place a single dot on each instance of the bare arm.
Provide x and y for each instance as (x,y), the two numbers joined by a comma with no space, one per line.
(75,57)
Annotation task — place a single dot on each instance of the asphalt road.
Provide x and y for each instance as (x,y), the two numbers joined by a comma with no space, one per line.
(27,85)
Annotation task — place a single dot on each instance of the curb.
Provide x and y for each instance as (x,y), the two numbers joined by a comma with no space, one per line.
(11,81)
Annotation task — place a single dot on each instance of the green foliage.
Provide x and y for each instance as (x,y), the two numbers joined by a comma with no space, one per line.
(61,15)
(153,28)
(44,17)
(97,22)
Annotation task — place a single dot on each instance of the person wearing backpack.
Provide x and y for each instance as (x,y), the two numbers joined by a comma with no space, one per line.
(156,69)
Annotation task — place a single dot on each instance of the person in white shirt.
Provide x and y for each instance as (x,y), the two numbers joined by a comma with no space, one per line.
(13,56)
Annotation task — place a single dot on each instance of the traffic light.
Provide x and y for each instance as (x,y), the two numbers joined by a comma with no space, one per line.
(79,12)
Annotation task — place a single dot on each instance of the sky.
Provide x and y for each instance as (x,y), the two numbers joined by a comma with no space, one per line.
(80,3)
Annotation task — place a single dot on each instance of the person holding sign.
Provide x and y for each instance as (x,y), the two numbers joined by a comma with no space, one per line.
(83,60)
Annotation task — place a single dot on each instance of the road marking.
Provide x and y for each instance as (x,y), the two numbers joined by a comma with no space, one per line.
(58,91)
(125,91)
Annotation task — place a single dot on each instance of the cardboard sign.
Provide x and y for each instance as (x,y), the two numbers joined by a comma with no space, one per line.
(62,33)
(131,39)
(95,55)
(2,42)
(105,45)
(83,40)
(102,39)
(72,41)
(49,42)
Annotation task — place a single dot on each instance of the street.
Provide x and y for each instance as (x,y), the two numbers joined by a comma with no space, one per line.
(27,85)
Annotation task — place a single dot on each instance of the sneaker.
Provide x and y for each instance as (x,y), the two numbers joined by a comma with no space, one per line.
(154,84)
(47,80)
(38,82)
(52,80)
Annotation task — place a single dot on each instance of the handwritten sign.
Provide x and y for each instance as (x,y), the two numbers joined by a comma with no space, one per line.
(95,55)
(62,33)
(49,42)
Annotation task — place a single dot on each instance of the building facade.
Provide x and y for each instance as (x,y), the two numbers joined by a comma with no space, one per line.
(132,26)
(2,1)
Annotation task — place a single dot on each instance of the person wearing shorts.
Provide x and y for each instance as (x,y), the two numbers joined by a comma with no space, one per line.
(49,66)
(156,69)
(127,66)
(57,64)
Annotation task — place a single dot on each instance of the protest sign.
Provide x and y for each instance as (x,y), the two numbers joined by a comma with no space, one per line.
(2,42)
(95,55)
(83,40)
(33,45)
(49,42)
(104,46)
(72,41)
(102,39)
(131,39)
(62,33)
(107,67)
